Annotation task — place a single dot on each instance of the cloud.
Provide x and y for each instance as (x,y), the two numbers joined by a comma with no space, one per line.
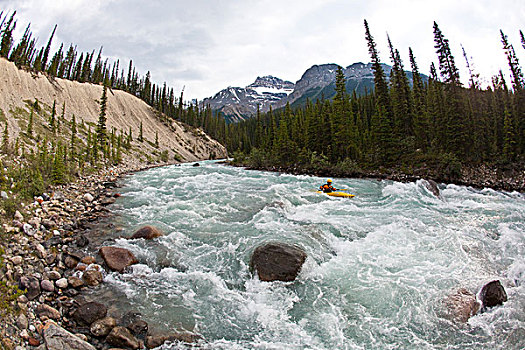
(208,45)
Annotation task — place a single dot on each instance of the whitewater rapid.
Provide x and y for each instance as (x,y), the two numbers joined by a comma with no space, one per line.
(378,267)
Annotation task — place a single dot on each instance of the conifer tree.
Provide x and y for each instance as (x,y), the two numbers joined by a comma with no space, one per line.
(29,130)
(101,125)
(52,121)
(447,65)
(156,139)
(141,136)
(46,51)
(73,136)
(7,36)
(517,75)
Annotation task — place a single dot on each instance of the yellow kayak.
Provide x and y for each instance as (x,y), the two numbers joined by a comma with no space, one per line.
(337,194)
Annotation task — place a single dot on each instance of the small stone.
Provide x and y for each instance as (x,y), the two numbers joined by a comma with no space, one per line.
(53,275)
(45,310)
(41,251)
(18,216)
(33,341)
(47,286)
(56,233)
(88,260)
(28,229)
(75,282)
(22,299)
(32,285)
(4,195)
(17,260)
(61,283)
(102,327)
(24,334)
(70,262)
(22,321)
(88,197)
(92,277)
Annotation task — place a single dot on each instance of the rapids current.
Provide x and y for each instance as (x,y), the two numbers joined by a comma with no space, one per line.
(378,267)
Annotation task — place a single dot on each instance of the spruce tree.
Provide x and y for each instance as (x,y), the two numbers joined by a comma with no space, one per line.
(141,137)
(29,130)
(52,121)
(46,51)
(101,125)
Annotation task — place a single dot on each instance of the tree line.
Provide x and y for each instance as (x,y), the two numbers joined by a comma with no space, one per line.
(438,123)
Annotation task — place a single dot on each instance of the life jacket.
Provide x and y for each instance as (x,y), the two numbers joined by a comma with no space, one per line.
(327,188)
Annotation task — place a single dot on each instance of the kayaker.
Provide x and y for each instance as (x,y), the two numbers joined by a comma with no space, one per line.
(327,187)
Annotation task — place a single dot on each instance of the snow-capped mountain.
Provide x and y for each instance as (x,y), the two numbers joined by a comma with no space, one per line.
(238,103)
(317,82)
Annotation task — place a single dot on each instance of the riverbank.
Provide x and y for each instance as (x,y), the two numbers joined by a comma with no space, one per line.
(509,178)
(47,254)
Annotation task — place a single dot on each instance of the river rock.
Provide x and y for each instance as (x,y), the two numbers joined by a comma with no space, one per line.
(53,275)
(462,305)
(102,327)
(18,216)
(147,232)
(492,294)
(90,312)
(122,337)
(17,260)
(55,337)
(47,311)
(47,286)
(277,262)
(61,283)
(75,282)
(22,321)
(32,285)
(116,258)
(433,187)
(92,278)
(88,260)
(88,197)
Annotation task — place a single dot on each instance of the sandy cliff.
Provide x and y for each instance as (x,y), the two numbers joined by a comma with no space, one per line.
(19,87)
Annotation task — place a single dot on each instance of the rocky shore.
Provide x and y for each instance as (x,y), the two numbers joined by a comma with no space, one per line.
(46,256)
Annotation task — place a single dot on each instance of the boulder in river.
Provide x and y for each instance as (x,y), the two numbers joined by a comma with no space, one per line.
(116,258)
(147,232)
(432,186)
(492,294)
(461,305)
(277,262)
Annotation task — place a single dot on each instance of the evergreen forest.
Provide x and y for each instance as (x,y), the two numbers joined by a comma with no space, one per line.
(439,124)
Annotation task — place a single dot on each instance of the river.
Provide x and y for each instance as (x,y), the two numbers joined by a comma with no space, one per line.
(378,267)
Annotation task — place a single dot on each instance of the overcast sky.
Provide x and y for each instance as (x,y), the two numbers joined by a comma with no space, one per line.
(209,45)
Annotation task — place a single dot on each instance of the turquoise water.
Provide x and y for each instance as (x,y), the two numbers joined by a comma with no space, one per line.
(378,267)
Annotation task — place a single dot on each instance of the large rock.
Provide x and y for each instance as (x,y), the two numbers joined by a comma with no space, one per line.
(461,305)
(90,312)
(492,294)
(117,259)
(433,187)
(277,262)
(31,285)
(122,337)
(147,232)
(57,338)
